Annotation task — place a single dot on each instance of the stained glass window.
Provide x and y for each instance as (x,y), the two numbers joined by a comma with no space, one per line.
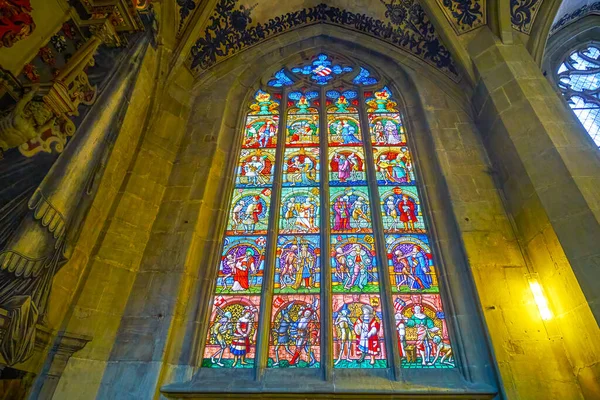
(326,201)
(579,82)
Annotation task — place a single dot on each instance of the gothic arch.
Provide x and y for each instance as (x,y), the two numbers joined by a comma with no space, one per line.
(215,127)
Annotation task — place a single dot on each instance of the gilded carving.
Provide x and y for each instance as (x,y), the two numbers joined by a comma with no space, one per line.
(16,22)
(28,120)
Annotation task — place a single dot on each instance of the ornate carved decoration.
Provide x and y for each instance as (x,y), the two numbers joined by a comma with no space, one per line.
(47,56)
(409,28)
(464,15)
(31,73)
(44,125)
(16,22)
(523,13)
(122,14)
(186,7)
(566,19)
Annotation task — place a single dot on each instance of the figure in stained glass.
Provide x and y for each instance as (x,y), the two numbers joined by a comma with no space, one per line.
(344,130)
(302,130)
(232,332)
(249,212)
(255,168)
(358,332)
(301,167)
(297,264)
(411,263)
(260,132)
(422,332)
(295,322)
(350,211)
(346,166)
(386,130)
(353,264)
(401,211)
(394,165)
(242,265)
(300,211)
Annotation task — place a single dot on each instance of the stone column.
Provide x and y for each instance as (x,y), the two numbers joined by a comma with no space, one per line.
(549,171)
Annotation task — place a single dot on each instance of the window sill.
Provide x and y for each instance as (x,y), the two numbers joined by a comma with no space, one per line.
(356,383)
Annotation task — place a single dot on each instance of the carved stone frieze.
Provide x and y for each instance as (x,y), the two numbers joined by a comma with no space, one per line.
(464,15)
(230,30)
(523,13)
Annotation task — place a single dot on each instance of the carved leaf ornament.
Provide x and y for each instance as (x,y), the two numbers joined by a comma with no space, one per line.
(230,30)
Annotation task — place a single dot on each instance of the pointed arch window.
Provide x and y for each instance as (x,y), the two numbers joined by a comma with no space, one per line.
(326,257)
(579,81)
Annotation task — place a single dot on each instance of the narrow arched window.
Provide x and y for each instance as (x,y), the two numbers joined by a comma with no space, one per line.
(578,78)
(326,255)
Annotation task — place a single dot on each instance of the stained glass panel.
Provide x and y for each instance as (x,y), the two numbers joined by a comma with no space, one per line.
(347,166)
(242,265)
(394,165)
(386,130)
(302,130)
(350,210)
(358,338)
(298,264)
(344,130)
(301,167)
(322,70)
(256,168)
(410,264)
(342,102)
(300,210)
(401,209)
(231,335)
(295,332)
(353,264)
(423,340)
(249,212)
(364,78)
(260,131)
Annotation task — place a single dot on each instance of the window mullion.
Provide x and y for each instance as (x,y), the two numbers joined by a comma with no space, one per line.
(326,305)
(391,340)
(264,326)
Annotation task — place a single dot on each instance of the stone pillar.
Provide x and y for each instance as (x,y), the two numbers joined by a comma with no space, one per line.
(549,171)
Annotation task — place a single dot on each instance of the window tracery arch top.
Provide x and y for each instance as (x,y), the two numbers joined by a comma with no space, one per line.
(578,79)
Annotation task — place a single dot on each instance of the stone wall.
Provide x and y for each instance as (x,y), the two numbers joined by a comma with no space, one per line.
(117,231)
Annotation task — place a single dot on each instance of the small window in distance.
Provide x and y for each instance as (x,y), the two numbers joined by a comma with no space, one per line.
(579,81)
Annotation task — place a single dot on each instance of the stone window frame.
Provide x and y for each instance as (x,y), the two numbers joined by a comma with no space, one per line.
(475,378)
(573,37)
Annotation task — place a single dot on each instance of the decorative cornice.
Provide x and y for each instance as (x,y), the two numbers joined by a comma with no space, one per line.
(464,15)
(576,15)
(408,28)
(523,13)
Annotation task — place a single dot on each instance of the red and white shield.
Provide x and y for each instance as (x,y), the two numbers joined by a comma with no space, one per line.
(322,71)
